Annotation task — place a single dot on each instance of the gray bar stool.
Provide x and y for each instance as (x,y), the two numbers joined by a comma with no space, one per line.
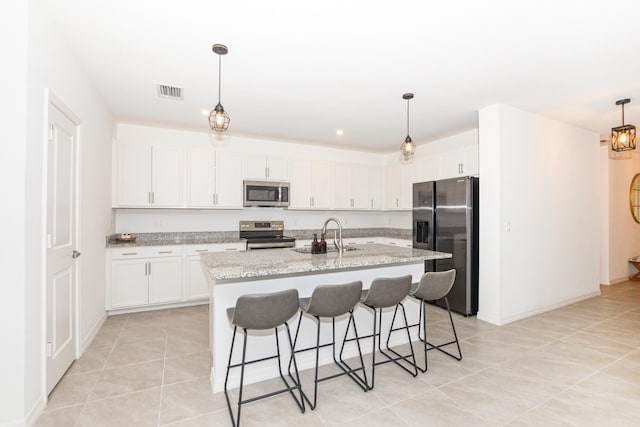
(383,293)
(263,311)
(434,286)
(331,301)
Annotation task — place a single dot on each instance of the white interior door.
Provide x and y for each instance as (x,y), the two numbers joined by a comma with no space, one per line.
(61,245)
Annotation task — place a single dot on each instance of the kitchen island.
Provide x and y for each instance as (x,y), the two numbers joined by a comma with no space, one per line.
(259,271)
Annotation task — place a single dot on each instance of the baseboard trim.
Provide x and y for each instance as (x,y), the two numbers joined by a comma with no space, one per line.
(157,307)
(86,342)
(31,416)
(35,412)
(500,321)
(616,281)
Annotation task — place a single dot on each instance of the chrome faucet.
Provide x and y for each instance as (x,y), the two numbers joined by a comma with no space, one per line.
(338,244)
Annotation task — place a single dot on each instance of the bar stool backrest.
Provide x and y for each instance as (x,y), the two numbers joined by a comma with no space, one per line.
(435,285)
(388,291)
(334,300)
(265,311)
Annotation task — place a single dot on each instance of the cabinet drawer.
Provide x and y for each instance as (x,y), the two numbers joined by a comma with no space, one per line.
(215,247)
(133,252)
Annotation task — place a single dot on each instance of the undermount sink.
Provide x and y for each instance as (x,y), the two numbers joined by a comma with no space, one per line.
(307,250)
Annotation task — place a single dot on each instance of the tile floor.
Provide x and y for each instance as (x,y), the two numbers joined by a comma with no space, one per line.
(575,366)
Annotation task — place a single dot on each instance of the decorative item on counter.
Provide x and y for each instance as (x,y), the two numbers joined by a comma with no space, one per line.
(315,245)
(323,245)
(125,238)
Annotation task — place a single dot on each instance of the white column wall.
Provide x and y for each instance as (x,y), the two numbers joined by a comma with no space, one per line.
(549,210)
(623,231)
(38,60)
(13,110)
(490,215)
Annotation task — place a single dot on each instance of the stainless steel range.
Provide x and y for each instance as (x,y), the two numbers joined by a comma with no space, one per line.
(265,235)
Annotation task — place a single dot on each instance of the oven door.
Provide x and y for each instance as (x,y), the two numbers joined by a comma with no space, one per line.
(265,193)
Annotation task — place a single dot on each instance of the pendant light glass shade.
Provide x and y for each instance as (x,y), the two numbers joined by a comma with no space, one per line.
(408,147)
(218,118)
(623,137)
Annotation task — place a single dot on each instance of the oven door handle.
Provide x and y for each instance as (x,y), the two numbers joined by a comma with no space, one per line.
(267,245)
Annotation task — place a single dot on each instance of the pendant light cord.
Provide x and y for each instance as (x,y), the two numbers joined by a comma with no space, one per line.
(408,117)
(219,75)
(622,114)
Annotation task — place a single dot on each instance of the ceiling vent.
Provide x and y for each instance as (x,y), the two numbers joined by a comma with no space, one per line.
(171,92)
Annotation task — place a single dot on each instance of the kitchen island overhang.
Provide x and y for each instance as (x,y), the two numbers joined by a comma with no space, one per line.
(234,274)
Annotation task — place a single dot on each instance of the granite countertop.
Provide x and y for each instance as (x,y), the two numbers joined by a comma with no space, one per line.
(238,266)
(184,238)
(211,237)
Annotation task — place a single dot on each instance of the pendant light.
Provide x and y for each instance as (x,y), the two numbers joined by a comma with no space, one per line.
(218,118)
(408,147)
(623,137)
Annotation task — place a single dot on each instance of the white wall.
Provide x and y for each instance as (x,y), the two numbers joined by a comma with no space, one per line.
(623,233)
(13,111)
(39,61)
(163,220)
(540,216)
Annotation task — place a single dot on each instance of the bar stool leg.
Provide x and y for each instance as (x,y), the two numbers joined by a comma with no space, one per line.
(235,421)
(350,371)
(296,380)
(427,345)
(398,355)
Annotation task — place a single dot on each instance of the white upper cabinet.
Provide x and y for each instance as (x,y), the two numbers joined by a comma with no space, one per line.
(310,184)
(228,180)
(426,169)
(462,162)
(214,179)
(263,167)
(133,175)
(350,186)
(149,176)
(375,187)
(399,186)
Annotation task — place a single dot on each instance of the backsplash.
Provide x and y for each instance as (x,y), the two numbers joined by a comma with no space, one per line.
(180,220)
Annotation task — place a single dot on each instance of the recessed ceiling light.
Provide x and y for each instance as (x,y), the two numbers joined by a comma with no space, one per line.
(339,132)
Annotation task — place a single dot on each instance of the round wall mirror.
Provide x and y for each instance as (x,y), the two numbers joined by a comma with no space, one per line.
(634,197)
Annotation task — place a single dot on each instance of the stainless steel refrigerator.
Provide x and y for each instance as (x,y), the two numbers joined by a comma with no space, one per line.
(445,218)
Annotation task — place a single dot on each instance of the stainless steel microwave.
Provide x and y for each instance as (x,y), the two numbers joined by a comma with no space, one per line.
(266,193)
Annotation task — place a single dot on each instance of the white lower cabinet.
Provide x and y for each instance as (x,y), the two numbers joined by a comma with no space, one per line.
(196,285)
(141,277)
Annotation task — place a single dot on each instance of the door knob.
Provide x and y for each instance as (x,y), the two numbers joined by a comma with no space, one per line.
(75,254)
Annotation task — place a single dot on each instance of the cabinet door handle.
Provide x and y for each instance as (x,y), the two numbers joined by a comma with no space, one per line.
(149,197)
(146,269)
(461,167)
(165,252)
(149,268)
(230,249)
(266,172)
(153,197)
(202,250)
(130,253)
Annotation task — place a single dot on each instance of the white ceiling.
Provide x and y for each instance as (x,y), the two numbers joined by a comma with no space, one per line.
(298,70)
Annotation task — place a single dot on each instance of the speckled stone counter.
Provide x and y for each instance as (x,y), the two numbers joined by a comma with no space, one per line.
(231,267)
(205,237)
(183,238)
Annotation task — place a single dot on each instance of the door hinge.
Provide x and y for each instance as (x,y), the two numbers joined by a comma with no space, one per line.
(52,132)
(49,348)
